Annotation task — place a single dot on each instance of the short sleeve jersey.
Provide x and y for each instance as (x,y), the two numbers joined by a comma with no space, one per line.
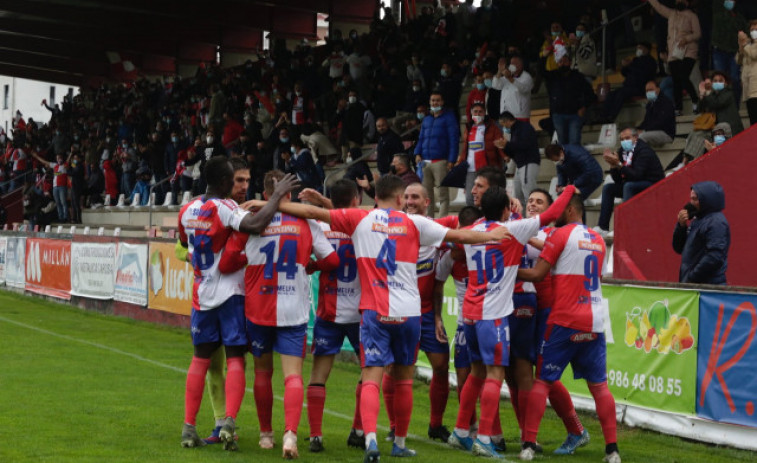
(428,257)
(277,286)
(544,295)
(19,160)
(492,269)
(386,246)
(60,174)
(339,296)
(205,226)
(576,254)
(448,266)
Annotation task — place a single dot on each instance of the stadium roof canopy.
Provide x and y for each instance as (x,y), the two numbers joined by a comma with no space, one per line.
(83,42)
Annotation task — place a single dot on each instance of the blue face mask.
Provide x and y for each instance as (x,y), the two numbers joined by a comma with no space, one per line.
(488,83)
(729,4)
(651,96)
(719,139)
(293,150)
(481,86)
(443,72)
(627,145)
(580,34)
(555,34)
(506,129)
(420,116)
(718,86)
(284,139)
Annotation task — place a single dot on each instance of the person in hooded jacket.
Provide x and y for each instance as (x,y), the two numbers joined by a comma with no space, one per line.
(702,236)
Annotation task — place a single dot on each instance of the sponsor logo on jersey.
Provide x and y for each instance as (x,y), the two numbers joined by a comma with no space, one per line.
(589,246)
(198,224)
(379,284)
(395,230)
(282,230)
(524,312)
(589,300)
(583,337)
(392,320)
(336,235)
(425,266)
(476,145)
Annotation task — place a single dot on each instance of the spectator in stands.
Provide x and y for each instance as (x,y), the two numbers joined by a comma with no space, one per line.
(354,120)
(95,186)
(702,236)
(515,85)
(659,124)
(320,145)
(476,95)
(437,147)
(302,107)
(557,37)
(720,134)
(575,166)
(110,176)
(18,160)
(683,47)
(60,144)
(142,187)
(634,168)
(480,147)
(449,84)
(299,161)
(127,157)
(748,60)
(33,201)
(727,21)
(416,95)
(584,52)
(389,144)
(637,72)
(232,129)
(415,73)
(716,97)
(60,170)
(569,96)
(78,187)
(403,168)
(523,149)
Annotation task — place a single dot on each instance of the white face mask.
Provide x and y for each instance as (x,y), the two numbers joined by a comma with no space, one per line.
(209,140)
(352,99)
(753,34)
(639,52)
(512,68)
(477,119)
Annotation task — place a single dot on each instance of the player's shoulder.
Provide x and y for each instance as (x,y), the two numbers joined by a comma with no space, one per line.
(190,204)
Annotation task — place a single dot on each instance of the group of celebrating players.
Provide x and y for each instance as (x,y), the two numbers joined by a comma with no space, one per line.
(530,297)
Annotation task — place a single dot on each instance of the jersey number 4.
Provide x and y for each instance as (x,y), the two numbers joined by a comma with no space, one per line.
(287,262)
(387,257)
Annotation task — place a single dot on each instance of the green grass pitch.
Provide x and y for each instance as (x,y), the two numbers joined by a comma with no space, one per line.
(82,387)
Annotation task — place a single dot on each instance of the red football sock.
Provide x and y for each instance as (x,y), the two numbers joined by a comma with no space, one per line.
(357,422)
(369,405)
(263,392)
(560,399)
(489,407)
(235,384)
(438,393)
(497,423)
(537,403)
(468,398)
(403,406)
(514,402)
(522,408)
(605,404)
(293,392)
(387,385)
(316,400)
(195,387)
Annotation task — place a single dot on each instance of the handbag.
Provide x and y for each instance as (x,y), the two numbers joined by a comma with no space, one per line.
(705,121)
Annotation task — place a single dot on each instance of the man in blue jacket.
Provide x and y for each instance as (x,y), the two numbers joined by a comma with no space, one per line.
(575,166)
(437,147)
(702,236)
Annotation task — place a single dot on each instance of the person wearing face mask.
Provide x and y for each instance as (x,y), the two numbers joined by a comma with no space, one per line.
(127,156)
(569,96)
(416,95)
(683,47)
(477,95)
(523,148)
(659,124)
(575,166)
(479,147)
(634,168)
(747,58)
(60,143)
(414,71)
(547,53)
(515,84)
(726,18)
(437,146)
(720,133)
(299,161)
(584,51)
(389,144)
(637,72)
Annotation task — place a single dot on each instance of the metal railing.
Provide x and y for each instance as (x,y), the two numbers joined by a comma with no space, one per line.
(150,203)
(21,178)
(603,28)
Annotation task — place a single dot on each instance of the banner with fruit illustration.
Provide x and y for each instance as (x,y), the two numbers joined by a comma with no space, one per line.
(171,281)
(727,373)
(651,348)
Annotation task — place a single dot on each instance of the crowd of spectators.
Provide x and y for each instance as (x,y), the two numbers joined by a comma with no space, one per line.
(306,109)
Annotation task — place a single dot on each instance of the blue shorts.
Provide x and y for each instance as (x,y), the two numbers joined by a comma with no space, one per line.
(586,353)
(489,341)
(286,340)
(462,356)
(523,327)
(388,340)
(429,343)
(542,315)
(225,323)
(328,337)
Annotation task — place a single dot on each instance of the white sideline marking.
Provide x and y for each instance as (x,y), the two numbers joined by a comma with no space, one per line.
(183,371)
